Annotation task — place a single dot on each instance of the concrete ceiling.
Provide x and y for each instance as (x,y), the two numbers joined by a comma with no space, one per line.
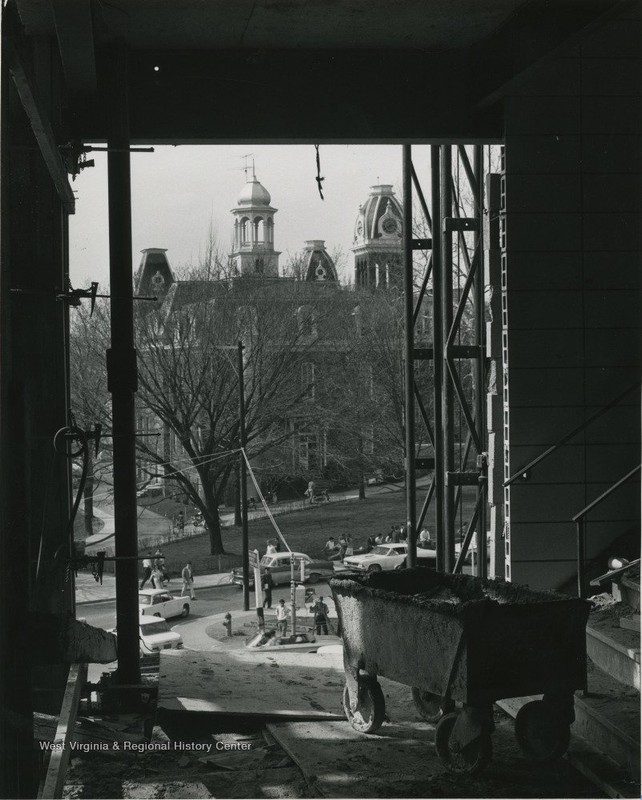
(435,25)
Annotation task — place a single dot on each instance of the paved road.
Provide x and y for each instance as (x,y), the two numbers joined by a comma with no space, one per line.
(216,600)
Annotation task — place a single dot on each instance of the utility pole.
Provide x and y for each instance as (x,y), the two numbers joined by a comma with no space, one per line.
(243,483)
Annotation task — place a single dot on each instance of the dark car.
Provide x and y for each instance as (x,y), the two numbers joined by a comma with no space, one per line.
(280,569)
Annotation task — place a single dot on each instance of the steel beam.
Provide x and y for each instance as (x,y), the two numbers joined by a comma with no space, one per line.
(121,366)
(411,492)
(448,398)
(438,347)
(40,124)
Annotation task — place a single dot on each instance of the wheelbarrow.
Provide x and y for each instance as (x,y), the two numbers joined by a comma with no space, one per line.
(462,643)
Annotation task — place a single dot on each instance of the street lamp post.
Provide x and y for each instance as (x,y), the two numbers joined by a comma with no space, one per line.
(243,483)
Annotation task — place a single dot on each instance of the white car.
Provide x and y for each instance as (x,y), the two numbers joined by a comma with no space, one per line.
(160,603)
(156,635)
(388,556)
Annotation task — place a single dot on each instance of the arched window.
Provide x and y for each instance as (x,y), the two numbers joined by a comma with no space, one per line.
(259,230)
(245,231)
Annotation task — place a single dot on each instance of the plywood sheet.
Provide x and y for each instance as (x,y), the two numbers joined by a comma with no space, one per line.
(232,682)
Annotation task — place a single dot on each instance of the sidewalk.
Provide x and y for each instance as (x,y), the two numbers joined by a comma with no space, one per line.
(89,590)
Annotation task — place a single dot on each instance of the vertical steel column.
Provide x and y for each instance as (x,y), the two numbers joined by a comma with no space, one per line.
(447,320)
(438,349)
(121,368)
(411,491)
(243,482)
(480,371)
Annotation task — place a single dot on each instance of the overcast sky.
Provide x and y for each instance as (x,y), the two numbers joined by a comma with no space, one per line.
(177,191)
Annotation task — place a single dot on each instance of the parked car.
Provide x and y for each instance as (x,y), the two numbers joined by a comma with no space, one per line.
(279,564)
(156,635)
(160,603)
(388,556)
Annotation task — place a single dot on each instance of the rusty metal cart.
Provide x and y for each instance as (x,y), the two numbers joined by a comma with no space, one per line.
(461,643)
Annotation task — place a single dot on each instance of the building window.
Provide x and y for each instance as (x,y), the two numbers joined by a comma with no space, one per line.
(311,451)
(308,380)
(307,322)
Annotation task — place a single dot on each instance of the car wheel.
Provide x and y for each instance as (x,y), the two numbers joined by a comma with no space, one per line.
(185,610)
(374,568)
(314,577)
(157,615)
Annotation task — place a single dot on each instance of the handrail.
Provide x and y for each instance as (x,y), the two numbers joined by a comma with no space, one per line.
(521,472)
(578,519)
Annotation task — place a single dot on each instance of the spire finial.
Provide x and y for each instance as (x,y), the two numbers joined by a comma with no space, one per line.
(246,166)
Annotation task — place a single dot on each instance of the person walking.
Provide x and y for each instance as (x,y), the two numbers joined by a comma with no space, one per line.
(310,492)
(343,544)
(282,618)
(268,585)
(147,569)
(349,546)
(188,581)
(320,611)
(157,578)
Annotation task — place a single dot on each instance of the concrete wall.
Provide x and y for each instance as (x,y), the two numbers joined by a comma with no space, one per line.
(570,280)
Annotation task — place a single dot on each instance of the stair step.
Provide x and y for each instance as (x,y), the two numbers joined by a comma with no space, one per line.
(614,649)
(605,737)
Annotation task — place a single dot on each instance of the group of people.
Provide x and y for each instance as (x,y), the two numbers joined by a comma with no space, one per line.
(337,551)
(154,570)
(319,611)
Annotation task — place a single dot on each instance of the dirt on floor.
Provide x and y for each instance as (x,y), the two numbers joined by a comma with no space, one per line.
(240,764)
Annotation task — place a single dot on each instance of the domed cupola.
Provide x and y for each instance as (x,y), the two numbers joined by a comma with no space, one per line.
(254,252)
(318,265)
(254,194)
(378,243)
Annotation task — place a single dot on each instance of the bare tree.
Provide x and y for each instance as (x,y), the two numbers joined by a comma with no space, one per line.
(189,382)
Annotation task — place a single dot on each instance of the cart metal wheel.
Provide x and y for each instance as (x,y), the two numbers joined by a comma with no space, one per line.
(371,709)
(470,758)
(431,707)
(541,731)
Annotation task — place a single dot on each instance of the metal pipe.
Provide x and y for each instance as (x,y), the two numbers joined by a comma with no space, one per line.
(411,489)
(243,483)
(438,349)
(480,371)
(581,553)
(121,369)
(447,389)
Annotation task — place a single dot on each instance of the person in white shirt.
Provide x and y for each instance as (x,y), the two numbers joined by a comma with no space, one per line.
(282,618)
(147,569)
(188,581)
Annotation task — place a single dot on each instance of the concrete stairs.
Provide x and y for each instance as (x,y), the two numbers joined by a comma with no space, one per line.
(607,717)
(605,737)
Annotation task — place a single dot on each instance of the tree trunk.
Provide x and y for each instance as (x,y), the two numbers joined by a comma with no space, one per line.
(362,486)
(210,515)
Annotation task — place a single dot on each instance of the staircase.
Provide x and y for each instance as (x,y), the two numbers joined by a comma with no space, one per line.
(607,718)
(605,740)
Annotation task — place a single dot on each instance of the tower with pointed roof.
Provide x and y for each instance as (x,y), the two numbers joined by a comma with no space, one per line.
(253,251)
(378,246)
(154,276)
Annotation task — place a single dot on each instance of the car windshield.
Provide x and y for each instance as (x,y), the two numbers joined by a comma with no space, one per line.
(144,600)
(155,627)
(266,561)
(379,551)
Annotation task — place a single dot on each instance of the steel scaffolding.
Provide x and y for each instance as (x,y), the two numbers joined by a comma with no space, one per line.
(445,378)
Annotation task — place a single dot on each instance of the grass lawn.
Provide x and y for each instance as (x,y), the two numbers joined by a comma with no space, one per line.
(305,531)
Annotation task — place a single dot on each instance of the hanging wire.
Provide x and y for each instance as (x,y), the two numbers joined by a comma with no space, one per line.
(318,178)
